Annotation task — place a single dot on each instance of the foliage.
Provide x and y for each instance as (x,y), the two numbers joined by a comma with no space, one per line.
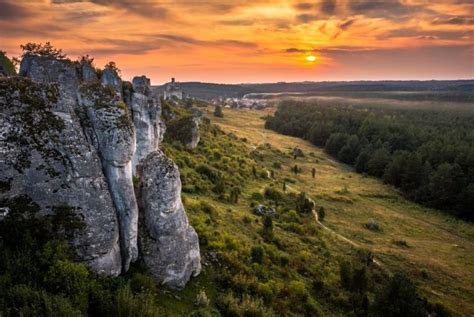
(44,50)
(6,65)
(398,298)
(218,112)
(427,153)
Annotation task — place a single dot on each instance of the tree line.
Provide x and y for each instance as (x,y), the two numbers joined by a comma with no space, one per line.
(427,153)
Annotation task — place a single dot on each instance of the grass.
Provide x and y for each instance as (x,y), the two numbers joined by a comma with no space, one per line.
(440,256)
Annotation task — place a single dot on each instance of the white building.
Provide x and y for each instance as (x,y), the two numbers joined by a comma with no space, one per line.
(173,90)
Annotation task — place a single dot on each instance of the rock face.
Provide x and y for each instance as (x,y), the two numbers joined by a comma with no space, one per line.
(185,130)
(146,112)
(169,244)
(114,138)
(44,157)
(68,140)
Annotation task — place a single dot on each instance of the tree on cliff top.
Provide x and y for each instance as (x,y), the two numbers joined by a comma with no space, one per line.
(46,50)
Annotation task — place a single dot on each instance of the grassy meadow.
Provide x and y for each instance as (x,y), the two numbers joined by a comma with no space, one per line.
(436,249)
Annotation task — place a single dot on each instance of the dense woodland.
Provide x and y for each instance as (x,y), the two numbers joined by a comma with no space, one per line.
(427,153)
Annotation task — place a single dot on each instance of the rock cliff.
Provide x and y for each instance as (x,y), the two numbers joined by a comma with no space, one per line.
(69,138)
(169,244)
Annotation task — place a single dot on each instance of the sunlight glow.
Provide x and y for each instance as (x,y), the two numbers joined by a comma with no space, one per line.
(311,58)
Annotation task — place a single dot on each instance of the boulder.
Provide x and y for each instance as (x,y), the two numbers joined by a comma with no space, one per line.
(168,244)
(263,210)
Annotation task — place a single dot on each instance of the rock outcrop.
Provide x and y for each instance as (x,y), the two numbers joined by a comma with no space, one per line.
(115,141)
(185,130)
(146,112)
(169,244)
(70,139)
(44,156)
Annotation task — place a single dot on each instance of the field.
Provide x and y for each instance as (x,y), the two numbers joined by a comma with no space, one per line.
(437,250)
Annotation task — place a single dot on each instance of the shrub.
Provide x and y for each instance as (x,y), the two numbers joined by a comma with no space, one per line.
(142,283)
(201,299)
(70,279)
(399,297)
(135,305)
(218,112)
(257,253)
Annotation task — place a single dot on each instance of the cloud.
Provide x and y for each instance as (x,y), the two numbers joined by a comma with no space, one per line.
(144,8)
(148,43)
(457,20)
(345,25)
(86,16)
(306,18)
(328,7)
(424,34)
(392,9)
(12,12)
(304,6)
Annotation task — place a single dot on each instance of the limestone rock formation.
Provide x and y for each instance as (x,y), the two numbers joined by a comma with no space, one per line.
(71,140)
(146,112)
(47,158)
(115,140)
(169,244)
(185,130)
(112,79)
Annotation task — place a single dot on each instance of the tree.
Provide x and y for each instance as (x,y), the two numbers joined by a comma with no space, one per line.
(335,143)
(234,195)
(218,112)
(303,204)
(267,231)
(44,50)
(113,66)
(284,186)
(398,298)
(321,213)
(257,253)
(254,171)
(313,172)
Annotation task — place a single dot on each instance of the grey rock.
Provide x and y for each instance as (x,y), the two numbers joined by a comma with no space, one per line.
(46,156)
(88,72)
(146,112)
(263,210)
(169,245)
(47,70)
(115,140)
(112,79)
(185,130)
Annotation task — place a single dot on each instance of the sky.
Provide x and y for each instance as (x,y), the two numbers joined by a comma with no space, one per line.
(242,41)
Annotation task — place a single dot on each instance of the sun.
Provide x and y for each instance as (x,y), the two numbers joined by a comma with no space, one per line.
(310,58)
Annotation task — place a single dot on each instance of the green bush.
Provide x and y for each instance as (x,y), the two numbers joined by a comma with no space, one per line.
(257,253)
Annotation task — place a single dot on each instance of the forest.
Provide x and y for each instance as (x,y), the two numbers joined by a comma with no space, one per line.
(427,153)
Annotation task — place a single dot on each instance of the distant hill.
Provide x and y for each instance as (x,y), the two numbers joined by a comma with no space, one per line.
(452,90)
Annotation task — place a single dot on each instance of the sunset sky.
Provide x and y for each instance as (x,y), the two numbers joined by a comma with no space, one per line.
(254,41)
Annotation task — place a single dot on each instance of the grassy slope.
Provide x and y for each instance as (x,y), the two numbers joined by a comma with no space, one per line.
(440,252)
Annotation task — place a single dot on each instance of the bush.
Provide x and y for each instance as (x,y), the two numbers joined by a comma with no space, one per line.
(70,279)
(201,299)
(135,305)
(399,297)
(257,253)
